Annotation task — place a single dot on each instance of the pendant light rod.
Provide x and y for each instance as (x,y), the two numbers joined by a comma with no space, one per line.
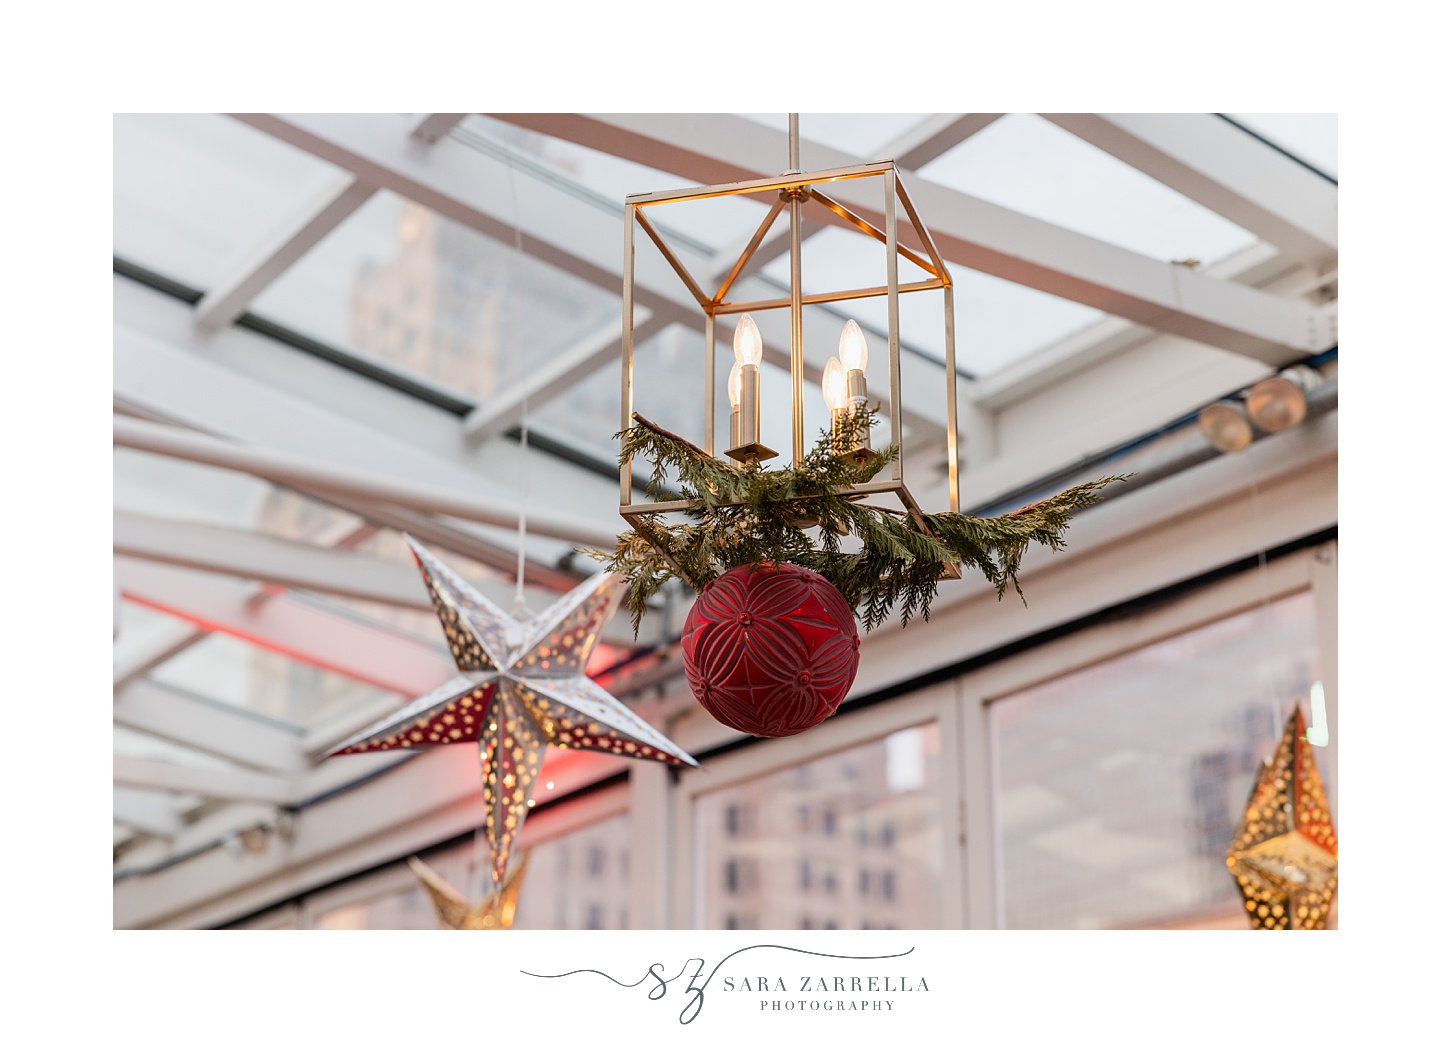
(798,348)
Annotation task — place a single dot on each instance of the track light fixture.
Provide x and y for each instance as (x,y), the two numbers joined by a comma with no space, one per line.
(1226,425)
(1278,403)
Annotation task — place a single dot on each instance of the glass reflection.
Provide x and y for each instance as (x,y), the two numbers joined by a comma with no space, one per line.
(579,881)
(848,841)
(1119,786)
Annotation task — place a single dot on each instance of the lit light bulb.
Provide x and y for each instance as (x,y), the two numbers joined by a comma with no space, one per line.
(1226,426)
(733,386)
(853,346)
(748,342)
(833,385)
(1279,403)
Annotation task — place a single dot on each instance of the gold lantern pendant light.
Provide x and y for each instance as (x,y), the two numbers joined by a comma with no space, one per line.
(737,512)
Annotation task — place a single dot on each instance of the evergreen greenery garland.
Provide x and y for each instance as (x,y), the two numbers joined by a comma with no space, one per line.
(749,514)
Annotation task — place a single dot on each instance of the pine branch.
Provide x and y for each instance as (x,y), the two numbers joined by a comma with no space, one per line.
(748,514)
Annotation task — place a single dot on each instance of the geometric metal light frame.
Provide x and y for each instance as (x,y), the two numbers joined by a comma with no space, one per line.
(793,190)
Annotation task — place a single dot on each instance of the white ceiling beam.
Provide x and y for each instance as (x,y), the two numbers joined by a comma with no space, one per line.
(562,229)
(938,133)
(202,724)
(1257,265)
(328,478)
(557,375)
(246,388)
(372,654)
(212,783)
(714,149)
(269,559)
(227,820)
(1219,166)
(450,537)
(435,125)
(133,660)
(150,813)
(301,566)
(225,303)
(425,799)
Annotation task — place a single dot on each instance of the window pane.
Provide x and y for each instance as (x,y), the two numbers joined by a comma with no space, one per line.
(579,881)
(1119,786)
(194,194)
(1309,136)
(1028,164)
(400,283)
(849,841)
(231,671)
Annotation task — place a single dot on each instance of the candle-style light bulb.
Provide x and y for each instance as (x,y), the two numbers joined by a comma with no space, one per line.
(833,385)
(853,351)
(853,347)
(744,388)
(748,342)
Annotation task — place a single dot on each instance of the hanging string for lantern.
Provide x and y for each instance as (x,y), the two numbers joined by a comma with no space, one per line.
(520,608)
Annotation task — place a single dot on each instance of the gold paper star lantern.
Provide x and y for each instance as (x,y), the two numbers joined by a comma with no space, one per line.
(1284,856)
(494,913)
(522,687)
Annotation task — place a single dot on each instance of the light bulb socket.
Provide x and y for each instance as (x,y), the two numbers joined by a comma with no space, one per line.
(746,420)
(856,386)
(849,440)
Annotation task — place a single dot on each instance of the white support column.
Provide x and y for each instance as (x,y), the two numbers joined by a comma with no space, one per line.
(225,303)
(651,835)
(979,831)
(1324,581)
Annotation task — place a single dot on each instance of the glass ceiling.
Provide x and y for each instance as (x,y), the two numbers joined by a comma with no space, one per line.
(164,487)
(1311,137)
(235,673)
(196,196)
(1025,163)
(398,282)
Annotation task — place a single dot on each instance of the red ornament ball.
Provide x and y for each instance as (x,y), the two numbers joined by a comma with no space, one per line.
(770,649)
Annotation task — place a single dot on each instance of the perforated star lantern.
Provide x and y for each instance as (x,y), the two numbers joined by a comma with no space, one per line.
(522,686)
(1284,856)
(494,913)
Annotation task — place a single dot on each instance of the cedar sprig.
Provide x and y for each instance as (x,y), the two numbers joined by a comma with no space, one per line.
(748,514)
